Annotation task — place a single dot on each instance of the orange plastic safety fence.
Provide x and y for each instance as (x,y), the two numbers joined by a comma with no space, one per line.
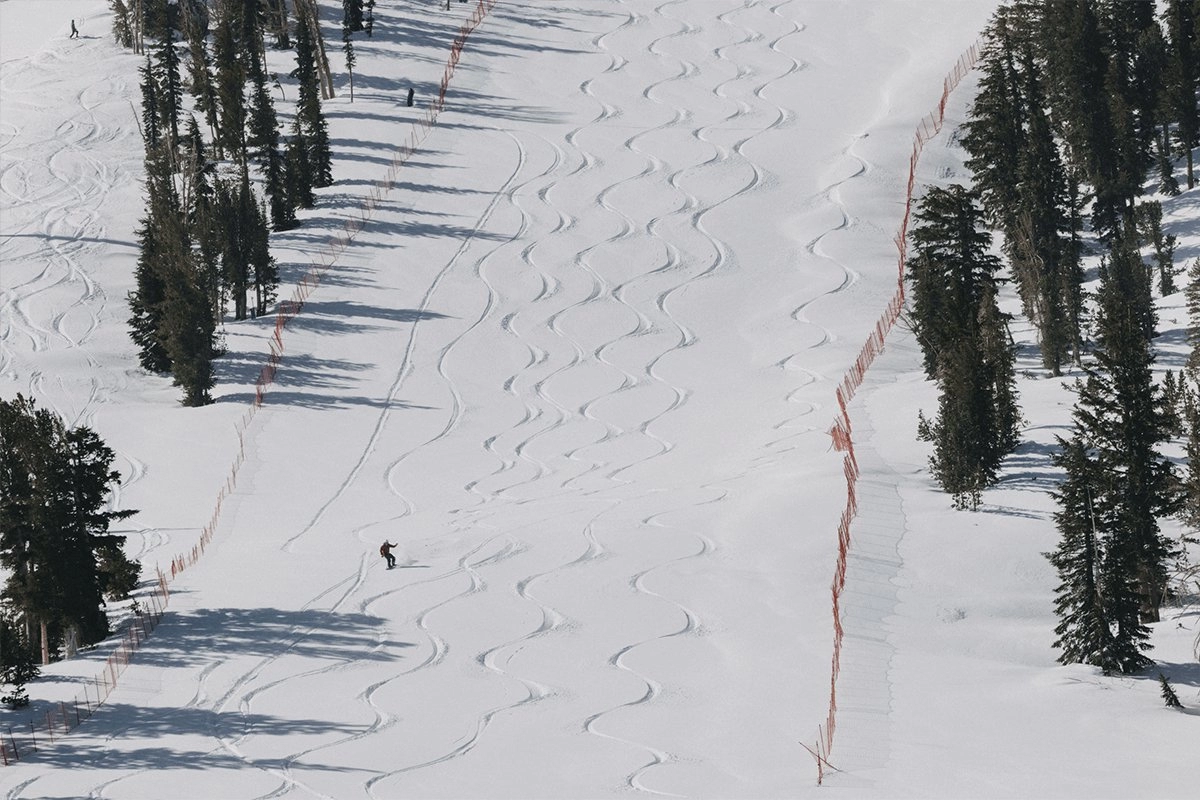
(841,431)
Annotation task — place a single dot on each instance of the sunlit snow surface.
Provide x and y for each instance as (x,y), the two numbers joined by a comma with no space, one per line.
(580,365)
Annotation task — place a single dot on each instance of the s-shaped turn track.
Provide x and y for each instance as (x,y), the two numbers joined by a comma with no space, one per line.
(579,366)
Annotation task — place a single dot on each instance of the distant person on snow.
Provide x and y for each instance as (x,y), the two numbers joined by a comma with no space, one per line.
(74,31)
(385,550)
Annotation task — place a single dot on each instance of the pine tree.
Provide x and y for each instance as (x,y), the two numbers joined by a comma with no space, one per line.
(1120,647)
(1087,90)
(20,502)
(1038,242)
(1189,507)
(146,299)
(1173,403)
(1162,159)
(122,29)
(992,136)
(173,321)
(1120,412)
(958,430)
(187,321)
(1191,294)
(80,476)
(1125,161)
(18,663)
(1181,73)
(1168,693)
(262,263)
(230,78)
(200,70)
(965,343)
(166,73)
(277,20)
(203,216)
(1149,217)
(264,139)
(1136,55)
(999,380)
(150,106)
(298,178)
(308,15)
(352,15)
(1083,631)
(949,267)
(348,45)
(240,220)
(308,112)
(1148,87)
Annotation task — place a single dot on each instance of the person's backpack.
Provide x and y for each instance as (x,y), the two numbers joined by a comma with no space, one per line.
(383,548)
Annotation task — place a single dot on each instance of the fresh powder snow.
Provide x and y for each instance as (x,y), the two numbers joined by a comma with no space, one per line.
(580,363)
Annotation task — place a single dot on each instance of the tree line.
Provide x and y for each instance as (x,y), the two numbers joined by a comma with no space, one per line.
(1081,105)
(220,173)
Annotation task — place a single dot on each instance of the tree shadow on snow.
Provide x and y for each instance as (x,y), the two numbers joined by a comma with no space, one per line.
(305,370)
(345,316)
(150,722)
(328,636)
(1029,468)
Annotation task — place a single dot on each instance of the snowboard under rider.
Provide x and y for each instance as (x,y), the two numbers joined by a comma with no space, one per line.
(385,550)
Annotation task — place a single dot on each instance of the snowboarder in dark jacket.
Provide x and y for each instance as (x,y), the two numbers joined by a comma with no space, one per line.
(385,550)
(74,31)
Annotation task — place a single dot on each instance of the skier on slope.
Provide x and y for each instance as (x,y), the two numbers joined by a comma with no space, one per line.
(74,31)
(385,550)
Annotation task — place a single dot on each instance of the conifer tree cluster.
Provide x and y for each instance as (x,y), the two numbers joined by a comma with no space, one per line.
(219,175)
(1112,557)
(55,544)
(965,342)
(1079,102)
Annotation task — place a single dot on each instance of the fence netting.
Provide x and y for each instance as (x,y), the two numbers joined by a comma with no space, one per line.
(842,431)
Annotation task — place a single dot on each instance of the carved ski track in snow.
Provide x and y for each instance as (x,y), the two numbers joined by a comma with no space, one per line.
(595,548)
(67,211)
(788,363)
(536,355)
(405,367)
(696,211)
(495,658)
(468,565)
(231,744)
(481,555)
(480,273)
(438,644)
(551,287)
(56,177)
(492,658)
(18,791)
(54,208)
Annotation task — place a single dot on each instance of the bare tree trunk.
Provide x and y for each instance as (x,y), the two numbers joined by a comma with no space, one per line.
(311,17)
(45,644)
(282,39)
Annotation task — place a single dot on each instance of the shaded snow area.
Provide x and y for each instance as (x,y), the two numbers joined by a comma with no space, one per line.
(580,365)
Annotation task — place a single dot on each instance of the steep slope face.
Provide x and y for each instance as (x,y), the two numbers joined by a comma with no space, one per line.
(580,366)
